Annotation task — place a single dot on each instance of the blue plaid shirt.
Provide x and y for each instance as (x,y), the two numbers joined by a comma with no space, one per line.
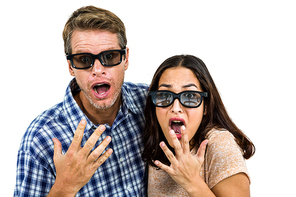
(122,174)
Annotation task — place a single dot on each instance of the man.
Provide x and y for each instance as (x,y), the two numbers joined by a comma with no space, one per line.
(54,158)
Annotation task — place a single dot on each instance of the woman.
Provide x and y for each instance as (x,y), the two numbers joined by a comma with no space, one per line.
(192,147)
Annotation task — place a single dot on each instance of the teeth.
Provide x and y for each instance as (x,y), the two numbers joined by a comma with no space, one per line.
(98,85)
(95,89)
(177,121)
(98,93)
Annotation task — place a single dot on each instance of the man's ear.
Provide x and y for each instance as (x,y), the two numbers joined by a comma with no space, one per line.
(126,59)
(71,71)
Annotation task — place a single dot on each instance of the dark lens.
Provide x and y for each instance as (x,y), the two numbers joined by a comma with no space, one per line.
(163,99)
(190,99)
(111,57)
(82,61)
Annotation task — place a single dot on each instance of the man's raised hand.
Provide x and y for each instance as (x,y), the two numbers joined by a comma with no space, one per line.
(75,168)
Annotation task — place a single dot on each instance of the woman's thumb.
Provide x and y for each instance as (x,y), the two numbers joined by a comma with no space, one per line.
(201,151)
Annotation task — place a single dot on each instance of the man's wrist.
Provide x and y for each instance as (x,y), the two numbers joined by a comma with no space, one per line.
(59,190)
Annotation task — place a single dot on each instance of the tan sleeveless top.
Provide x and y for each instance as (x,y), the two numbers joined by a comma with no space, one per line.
(223,159)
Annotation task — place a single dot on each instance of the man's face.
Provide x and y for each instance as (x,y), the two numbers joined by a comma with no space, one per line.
(101,86)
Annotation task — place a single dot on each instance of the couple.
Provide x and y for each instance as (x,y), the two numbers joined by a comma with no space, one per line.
(183,142)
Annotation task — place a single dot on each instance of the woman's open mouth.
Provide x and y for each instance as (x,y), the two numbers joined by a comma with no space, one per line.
(175,124)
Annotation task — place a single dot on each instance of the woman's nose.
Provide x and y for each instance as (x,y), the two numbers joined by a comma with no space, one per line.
(176,107)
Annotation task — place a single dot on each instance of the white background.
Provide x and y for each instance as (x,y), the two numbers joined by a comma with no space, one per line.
(248,46)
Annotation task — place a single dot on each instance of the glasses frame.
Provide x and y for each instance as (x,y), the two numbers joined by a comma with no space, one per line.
(94,57)
(176,96)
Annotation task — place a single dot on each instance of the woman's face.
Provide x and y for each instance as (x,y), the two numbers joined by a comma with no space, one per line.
(177,80)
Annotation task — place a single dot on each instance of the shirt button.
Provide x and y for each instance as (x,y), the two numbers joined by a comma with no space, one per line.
(129,188)
(121,159)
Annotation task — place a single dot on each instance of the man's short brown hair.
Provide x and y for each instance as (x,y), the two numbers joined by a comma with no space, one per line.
(93,18)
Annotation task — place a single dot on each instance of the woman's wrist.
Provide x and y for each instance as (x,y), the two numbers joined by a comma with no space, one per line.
(200,189)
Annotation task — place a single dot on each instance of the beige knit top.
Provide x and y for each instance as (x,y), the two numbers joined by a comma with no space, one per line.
(223,159)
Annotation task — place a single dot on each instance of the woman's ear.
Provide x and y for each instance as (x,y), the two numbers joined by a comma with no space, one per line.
(205,110)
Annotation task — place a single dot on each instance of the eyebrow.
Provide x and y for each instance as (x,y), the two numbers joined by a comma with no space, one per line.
(165,85)
(184,86)
(189,85)
(108,49)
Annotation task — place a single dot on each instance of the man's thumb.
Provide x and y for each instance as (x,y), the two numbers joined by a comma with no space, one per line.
(57,147)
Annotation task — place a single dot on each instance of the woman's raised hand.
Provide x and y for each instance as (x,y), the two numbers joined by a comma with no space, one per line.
(184,168)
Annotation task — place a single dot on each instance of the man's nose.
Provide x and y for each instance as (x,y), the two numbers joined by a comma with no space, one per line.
(98,69)
(176,107)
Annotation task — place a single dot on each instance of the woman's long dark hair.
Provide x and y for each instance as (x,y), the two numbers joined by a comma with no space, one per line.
(216,115)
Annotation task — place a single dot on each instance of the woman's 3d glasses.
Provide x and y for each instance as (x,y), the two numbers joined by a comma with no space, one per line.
(164,98)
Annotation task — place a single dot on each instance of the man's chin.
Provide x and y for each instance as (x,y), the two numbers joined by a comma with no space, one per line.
(103,104)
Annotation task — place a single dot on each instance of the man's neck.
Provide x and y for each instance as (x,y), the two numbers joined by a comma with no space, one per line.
(98,116)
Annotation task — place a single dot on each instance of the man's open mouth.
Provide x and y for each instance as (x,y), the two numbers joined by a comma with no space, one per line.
(101,88)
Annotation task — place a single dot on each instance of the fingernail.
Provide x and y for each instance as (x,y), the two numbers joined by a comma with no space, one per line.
(172,132)
(183,127)
(162,144)
(83,121)
(156,163)
(108,139)
(102,128)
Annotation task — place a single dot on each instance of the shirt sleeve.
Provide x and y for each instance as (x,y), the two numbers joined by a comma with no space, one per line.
(32,179)
(223,158)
